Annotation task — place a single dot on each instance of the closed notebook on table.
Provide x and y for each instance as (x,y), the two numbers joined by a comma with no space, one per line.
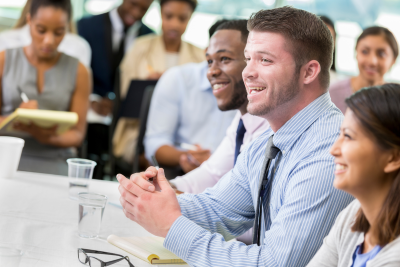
(148,248)
(43,118)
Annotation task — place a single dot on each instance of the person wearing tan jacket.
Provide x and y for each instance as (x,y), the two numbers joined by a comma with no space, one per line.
(148,58)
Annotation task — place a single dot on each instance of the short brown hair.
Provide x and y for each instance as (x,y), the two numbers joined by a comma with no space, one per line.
(192,3)
(385,33)
(377,110)
(310,38)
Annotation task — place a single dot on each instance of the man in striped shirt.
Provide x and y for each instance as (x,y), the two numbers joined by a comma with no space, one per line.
(288,55)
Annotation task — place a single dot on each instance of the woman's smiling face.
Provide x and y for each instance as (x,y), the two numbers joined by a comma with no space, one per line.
(374,57)
(360,163)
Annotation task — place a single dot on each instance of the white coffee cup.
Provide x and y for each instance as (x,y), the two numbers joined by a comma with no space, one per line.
(10,154)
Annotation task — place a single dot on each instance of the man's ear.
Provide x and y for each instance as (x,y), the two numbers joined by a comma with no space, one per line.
(311,71)
(393,163)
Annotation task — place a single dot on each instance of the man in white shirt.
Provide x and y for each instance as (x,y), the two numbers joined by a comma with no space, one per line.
(226,63)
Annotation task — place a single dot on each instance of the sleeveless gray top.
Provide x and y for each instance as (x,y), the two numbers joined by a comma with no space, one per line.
(59,85)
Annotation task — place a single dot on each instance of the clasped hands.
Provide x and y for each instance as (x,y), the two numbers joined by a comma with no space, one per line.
(155,210)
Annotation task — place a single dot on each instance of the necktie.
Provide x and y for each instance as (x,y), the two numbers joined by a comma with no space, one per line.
(270,154)
(241,130)
(119,54)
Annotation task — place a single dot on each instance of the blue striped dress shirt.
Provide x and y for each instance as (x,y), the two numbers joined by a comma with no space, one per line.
(301,210)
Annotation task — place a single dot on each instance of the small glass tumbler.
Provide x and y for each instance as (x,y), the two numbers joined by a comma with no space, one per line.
(10,257)
(80,172)
(91,209)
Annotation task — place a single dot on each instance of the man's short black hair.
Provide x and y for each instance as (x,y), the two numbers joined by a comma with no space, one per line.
(192,3)
(214,27)
(237,24)
(64,5)
(327,21)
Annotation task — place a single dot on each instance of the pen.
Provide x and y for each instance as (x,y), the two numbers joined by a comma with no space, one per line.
(24,97)
(188,147)
(153,158)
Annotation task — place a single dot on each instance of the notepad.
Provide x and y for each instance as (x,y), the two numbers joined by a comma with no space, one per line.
(149,249)
(43,118)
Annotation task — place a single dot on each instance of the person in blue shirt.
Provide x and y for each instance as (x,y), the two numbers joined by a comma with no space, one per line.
(282,181)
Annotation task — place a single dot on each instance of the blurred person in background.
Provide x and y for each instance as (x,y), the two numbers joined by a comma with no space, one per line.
(376,53)
(184,110)
(72,44)
(51,80)
(367,157)
(331,26)
(149,58)
(110,35)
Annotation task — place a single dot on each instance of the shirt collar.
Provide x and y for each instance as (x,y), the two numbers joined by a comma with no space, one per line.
(116,21)
(252,123)
(118,24)
(288,134)
(204,82)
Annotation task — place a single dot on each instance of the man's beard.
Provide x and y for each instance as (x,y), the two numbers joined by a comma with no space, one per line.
(238,99)
(285,93)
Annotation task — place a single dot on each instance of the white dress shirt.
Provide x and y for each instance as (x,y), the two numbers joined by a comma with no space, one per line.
(72,44)
(118,31)
(221,161)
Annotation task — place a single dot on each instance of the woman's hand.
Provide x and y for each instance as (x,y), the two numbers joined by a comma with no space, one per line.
(31,104)
(43,135)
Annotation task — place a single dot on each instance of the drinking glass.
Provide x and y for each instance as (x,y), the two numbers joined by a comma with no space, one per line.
(10,257)
(10,154)
(80,172)
(91,209)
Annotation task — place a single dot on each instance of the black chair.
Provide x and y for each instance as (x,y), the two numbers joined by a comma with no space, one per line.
(134,106)
(144,112)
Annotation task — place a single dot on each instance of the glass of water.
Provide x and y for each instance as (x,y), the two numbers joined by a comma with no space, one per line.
(10,257)
(80,172)
(91,209)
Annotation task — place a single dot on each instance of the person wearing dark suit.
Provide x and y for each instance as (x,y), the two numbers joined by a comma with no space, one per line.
(109,35)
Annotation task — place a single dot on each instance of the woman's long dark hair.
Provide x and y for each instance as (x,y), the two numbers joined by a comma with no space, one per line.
(378,111)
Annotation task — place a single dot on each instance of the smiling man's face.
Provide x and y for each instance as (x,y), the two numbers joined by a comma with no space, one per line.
(226,63)
(271,76)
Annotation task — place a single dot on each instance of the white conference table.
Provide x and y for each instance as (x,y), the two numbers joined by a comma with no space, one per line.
(37,216)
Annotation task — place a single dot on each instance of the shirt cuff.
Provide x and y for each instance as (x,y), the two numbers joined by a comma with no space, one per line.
(181,184)
(181,236)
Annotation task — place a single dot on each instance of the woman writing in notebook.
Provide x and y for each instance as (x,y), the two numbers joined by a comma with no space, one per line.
(52,81)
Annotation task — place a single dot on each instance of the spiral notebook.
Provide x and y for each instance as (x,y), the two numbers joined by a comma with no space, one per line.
(148,248)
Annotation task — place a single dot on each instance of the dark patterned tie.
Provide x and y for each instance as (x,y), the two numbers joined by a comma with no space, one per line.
(270,153)
(241,130)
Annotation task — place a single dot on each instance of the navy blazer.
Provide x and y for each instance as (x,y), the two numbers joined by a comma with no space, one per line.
(97,31)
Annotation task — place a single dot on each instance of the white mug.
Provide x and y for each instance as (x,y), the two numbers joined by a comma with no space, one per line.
(10,154)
